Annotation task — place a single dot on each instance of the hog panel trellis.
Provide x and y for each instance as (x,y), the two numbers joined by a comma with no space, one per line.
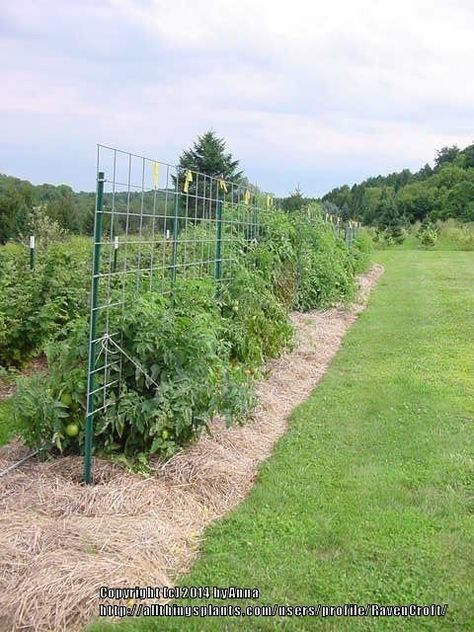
(154,224)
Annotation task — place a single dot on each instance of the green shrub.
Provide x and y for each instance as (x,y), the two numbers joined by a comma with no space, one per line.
(256,325)
(427,235)
(306,262)
(187,378)
(325,267)
(275,255)
(179,342)
(47,231)
(455,235)
(390,236)
(362,250)
(35,305)
(46,404)
(39,415)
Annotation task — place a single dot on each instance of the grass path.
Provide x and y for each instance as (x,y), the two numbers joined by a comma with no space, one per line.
(368,498)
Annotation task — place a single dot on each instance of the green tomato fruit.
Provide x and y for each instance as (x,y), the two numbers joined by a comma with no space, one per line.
(72,430)
(165,434)
(66,399)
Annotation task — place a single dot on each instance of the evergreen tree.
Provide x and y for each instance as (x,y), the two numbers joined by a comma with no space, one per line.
(294,202)
(208,156)
(389,218)
(345,212)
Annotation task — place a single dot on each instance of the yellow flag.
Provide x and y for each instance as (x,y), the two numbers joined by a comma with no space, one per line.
(187,180)
(222,184)
(155,175)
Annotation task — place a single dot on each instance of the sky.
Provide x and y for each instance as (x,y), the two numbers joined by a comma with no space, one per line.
(308,93)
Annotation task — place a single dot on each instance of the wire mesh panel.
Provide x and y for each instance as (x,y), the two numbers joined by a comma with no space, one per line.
(350,232)
(155,223)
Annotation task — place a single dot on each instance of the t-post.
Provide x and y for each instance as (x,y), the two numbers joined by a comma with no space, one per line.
(93,329)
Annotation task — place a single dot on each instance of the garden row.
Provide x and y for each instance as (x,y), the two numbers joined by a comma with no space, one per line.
(203,343)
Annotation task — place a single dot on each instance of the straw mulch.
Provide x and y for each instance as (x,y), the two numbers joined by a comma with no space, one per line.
(60,541)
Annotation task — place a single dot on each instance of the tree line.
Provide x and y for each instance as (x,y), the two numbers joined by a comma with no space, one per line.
(443,191)
(22,202)
(19,199)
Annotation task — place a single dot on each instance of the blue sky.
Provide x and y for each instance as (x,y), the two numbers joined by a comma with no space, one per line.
(308,93)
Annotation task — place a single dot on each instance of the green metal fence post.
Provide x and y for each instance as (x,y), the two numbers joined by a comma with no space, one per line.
(174,256)
(219,219)
(32,252)
(93,329)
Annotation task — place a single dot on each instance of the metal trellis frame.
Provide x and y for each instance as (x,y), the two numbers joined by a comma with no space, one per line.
(154,223)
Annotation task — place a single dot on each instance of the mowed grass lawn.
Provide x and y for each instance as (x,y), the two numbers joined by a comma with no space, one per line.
(368,498)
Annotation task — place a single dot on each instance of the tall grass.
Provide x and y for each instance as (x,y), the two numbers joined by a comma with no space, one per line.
(455,236)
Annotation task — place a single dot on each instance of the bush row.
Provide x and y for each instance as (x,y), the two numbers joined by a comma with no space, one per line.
(201,345)
(35,305)
(447,235)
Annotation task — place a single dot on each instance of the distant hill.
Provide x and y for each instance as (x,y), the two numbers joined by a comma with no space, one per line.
(71,210)
(441,192)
